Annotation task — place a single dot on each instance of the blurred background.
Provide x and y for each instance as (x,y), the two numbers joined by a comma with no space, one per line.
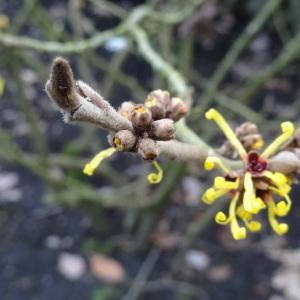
(64,235)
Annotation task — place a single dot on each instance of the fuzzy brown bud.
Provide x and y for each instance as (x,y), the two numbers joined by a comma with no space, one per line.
(126,108)
(249,136)
(124,140)
(178,109)
(246,128)
(158,102)
(148,149)
(141,117)
(163,130)
(61,86)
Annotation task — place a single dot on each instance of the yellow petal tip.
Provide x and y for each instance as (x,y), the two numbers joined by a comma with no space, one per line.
(220,217)
(208,165)
(282,228)
(210,114)
(287,127)
(254,226)
(88,170)
(239,233)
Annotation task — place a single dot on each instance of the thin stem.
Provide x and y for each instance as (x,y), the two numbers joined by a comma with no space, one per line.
(194,230)
(141,278)
(290,53)
(37,135)
(238,46)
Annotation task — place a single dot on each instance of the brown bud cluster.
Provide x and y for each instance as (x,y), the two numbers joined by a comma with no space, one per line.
(152,121)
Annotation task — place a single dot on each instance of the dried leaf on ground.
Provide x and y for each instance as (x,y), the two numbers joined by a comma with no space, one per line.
(106,268)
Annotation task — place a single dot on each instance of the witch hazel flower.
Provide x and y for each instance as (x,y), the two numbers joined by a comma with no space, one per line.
(254,187)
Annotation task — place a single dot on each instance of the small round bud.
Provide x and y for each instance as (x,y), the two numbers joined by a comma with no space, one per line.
(158,102)
(126,108)
(124,140)
(178,109)
(163,129)
(147,148)
(158,110)
(249,136)
(286,162)
(246,128)
(141,117)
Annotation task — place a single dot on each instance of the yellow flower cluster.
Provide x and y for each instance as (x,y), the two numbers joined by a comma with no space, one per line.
(247,196)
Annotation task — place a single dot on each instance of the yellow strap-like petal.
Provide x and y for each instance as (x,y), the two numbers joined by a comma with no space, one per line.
(212,194)
(249,194)
(281,181)
(212,161)
(155,178)
(282,208)
(277,178)
(90,167)
(237,231)
(222,183)
(288,130)
(213,114)
(246,217)
(279,228)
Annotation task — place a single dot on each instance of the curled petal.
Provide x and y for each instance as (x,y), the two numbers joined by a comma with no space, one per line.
(279,228)
(281,181)
(288,130)
(212,161)
(282,207)
(221,218)
(155,178)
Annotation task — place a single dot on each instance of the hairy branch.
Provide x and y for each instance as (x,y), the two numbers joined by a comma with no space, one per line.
(80,102)
(180,151)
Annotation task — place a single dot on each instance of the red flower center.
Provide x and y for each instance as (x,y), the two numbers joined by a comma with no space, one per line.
(255,164)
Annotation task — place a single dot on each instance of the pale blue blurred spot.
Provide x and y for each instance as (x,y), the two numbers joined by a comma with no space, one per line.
(116,44)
